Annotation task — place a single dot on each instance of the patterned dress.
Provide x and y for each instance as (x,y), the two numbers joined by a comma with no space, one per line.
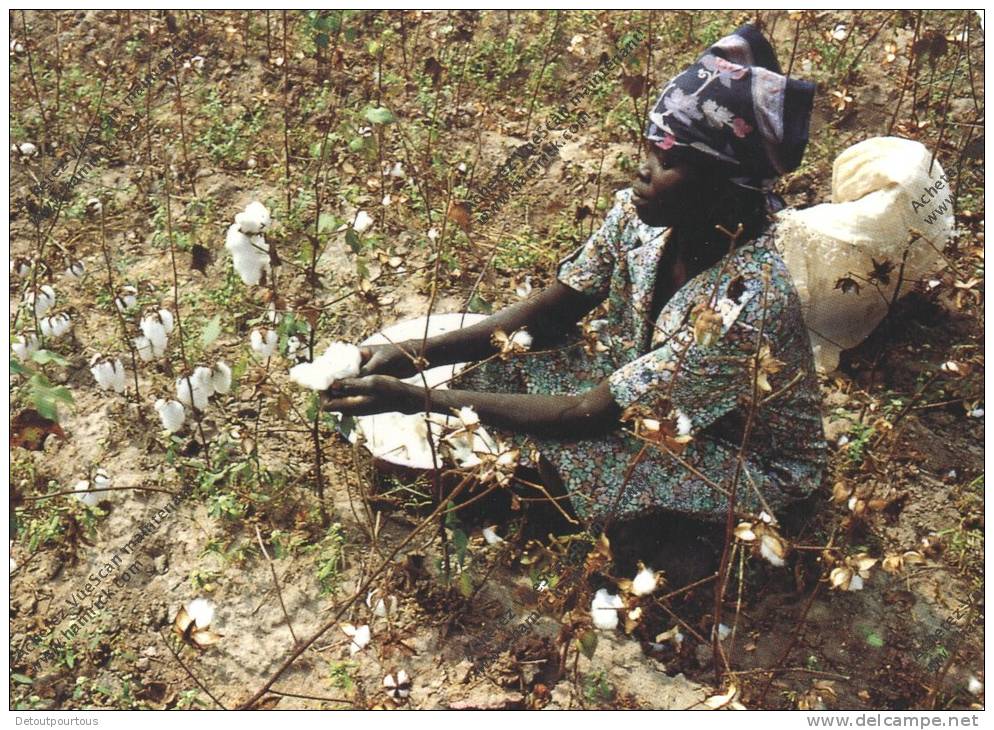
(732,334)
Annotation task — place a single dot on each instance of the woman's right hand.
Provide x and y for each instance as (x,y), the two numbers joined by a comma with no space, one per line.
(390,359)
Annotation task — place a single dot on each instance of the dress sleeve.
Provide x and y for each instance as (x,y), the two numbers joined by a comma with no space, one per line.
(705,364)
(589,268)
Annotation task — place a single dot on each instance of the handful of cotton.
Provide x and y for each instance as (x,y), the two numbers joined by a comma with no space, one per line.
(339,360)
(247,244)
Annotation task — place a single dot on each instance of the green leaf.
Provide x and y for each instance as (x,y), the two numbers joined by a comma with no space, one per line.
(379,115)
(588,643)
(874,640)
(479,305)
(352,240)
(212,330)
(22,679)
(356,144)
(43,357)
(327,222)
(17,369)
(321,40)
(465,584)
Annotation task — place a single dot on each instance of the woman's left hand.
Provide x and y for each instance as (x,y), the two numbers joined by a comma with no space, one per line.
(370,395)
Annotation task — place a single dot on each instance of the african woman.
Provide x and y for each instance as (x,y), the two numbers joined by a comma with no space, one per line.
(692,336)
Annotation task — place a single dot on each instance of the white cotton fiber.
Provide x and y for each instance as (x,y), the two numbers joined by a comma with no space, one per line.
(171,413)
(254,219)
(263,342)
(221,377)
(249,254)
(340,360)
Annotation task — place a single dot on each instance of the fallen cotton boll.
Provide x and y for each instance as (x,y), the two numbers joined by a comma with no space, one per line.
(27,149)
(491,536)
(42,300)
(362,222)
(604,610)
(201,612)
(974,686)
(110,375)
(254,219)
(221,378)
(90,499)
(360,637)
(399,687)
(645,582)
(171,413)
(24,346)
(381,607)
(339,360)
(723,632)
(683,423)
(193,623)
(263,342)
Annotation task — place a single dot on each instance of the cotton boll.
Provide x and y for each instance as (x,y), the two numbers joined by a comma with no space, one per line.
(145,349)
(126,299)
(254,219)
(24,346)
(469,418)
(75,270)
(42,300)
(645,582)
(399,687)
(522,339)
(20,266)
(221,377)
(55,326)
(974,686)
(109,374)
(362,222)
(192,393)
(604,610)
(263,342)
(166,317)
(203,377)
(27,149)
(683,423)
(154,329)
(249,254)
(491,536)
(171,413)
(339,360)
(90,499)
(360,637)
(102,480)
(772,548)
(201,611)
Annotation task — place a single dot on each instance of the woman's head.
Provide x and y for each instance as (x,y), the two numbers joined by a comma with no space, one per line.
(729,118)
(680,186)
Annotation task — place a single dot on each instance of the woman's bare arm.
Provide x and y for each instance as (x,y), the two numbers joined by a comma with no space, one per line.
(563,416)
(546,316)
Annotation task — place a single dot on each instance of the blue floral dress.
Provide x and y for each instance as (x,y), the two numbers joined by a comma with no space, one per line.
(730,336)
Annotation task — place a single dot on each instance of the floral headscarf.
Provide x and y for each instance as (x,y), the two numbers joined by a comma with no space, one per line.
(735,105)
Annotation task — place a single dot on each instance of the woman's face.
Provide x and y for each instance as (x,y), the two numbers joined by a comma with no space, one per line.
(669,186)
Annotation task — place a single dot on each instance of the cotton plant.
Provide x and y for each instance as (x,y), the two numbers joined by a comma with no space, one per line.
(339,360)
(246,242)
(109,374)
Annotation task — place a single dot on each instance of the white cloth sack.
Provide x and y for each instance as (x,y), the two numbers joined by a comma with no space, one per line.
(882,189)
